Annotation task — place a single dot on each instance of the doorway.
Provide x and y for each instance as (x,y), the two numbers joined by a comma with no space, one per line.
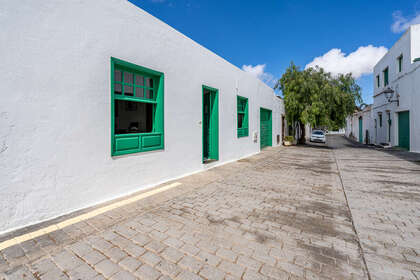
(210,124)
(266,136)
(360,130)
(404,130)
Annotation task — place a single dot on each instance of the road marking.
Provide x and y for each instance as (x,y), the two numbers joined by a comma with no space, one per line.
(31,235)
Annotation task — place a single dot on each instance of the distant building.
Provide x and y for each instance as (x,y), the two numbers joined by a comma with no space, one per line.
(359,125)
(396,99)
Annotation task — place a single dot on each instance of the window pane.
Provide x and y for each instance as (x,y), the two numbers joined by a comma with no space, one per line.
(128,90)
(117,88)
(128,77)
(139,92)
(117,76)
(149,82)
(139,80)
(149,93)
(240,120)
(133,117)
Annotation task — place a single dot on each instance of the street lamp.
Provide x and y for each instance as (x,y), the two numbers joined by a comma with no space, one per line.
(389,94)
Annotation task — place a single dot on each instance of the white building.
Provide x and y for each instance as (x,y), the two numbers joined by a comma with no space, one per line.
(396,106)
(359,126)
(100,99)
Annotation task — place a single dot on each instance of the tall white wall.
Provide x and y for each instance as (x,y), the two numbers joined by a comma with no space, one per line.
(55,121)
(407,83)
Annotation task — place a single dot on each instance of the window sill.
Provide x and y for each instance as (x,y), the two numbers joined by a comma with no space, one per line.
(136,143)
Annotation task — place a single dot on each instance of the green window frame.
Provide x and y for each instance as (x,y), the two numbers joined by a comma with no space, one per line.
(242,116)
(400,61)
(144,88)
(378,81)
(386,73)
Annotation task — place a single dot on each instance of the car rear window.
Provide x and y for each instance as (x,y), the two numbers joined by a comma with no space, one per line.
(318,132)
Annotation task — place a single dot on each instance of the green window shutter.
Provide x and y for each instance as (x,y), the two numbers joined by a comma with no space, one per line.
(137,96)
(400,60)
(242,116)
(378,81)
(386,72)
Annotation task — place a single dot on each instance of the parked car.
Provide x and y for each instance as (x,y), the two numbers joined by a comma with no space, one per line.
(317,136)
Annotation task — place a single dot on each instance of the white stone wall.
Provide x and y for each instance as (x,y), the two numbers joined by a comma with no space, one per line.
(406,83)
(55,123)
(352,125)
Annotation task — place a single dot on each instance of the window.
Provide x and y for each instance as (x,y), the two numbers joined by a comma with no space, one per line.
(378,81)
(380,119)
(242,106)
(137,108)
(400,61)
(386,82)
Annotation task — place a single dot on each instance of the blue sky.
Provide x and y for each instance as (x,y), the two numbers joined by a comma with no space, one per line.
(274,33)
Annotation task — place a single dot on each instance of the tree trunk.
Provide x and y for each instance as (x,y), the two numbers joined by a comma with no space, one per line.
(302,139)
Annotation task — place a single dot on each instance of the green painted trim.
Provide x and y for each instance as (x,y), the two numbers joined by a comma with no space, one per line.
(386,76)
(210,88)
(135,99)
(416,59)
(404,130)
(244,130)
(112,107)
(158,112)
(136,67)
(213,152)
(400,61)
(269,140)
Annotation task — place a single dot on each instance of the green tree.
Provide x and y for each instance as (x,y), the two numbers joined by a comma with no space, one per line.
(317,98)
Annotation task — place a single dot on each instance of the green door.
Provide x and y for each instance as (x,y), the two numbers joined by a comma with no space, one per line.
(210,124)
(265,128)
(404,130)
(361,130)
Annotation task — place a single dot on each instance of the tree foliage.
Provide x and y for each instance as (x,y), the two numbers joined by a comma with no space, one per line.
(313,96)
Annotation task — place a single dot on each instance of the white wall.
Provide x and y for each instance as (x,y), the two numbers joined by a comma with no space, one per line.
(352,125)
(406,83)
(55,110)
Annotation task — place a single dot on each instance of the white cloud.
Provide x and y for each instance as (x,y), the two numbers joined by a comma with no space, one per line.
(258,71)
(359,62)
(401,23)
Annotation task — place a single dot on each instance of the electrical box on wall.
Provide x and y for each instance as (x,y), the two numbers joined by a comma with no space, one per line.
(255,136)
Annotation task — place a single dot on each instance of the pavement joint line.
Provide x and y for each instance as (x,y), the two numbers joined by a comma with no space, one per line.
(351,217)
(31,235)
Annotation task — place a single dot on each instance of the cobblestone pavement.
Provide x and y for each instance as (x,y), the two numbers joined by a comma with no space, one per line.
(383,190)
(281,214)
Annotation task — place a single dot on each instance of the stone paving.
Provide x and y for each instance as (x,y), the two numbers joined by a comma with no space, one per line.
(281,214)
(383,190)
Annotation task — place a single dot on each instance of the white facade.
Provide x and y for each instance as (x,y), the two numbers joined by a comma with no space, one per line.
(55,114)
(406,84)
(365,133)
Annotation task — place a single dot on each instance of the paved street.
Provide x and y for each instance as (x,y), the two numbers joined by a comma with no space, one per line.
(383,191)
(310,212)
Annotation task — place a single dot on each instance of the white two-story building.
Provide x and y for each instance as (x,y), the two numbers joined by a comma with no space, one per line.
(396,99)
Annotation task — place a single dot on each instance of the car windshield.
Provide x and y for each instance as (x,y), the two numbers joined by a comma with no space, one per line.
(318,132)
